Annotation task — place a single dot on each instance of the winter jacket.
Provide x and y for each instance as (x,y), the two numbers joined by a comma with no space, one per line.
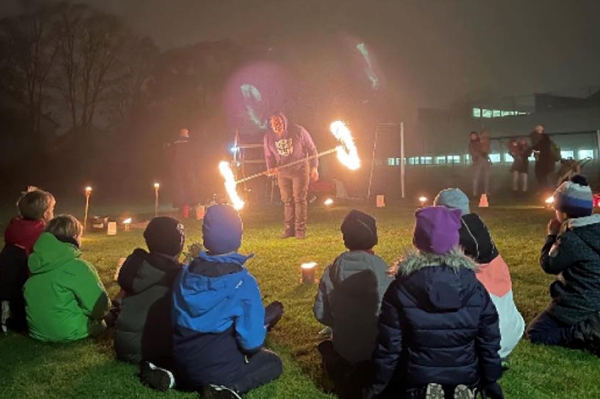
(19,238)
(574,256)
(545,162)
(295,144)
(65,298)
(348,301)
(477,151)
(144,328)
(437,325)
(218,318)
(493,273)
(520,154)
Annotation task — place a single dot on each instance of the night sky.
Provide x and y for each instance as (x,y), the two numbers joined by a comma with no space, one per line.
(433,52)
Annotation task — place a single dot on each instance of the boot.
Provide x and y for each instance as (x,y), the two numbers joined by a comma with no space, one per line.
(587,334)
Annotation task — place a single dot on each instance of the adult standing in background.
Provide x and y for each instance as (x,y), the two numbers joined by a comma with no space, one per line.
(479,148)
(545,158)
(283,145)
(183,173)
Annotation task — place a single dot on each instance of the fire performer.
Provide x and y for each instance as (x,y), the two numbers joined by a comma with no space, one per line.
(283,145)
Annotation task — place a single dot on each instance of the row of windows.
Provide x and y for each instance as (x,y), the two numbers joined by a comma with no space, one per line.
(494,113)
(495,158)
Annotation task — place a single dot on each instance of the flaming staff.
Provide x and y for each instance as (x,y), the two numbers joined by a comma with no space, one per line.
(346,151)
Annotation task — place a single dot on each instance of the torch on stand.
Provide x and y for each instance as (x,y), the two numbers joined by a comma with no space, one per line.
(156,188)
(88,194)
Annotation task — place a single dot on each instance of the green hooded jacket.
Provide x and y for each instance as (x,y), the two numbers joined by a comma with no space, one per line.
(65,298)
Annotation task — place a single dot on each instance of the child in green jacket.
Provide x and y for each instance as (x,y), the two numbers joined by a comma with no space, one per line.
(65,298)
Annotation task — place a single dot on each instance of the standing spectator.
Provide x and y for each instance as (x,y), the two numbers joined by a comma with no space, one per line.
(546,157)
(479,148)
(184,174)
(520,151)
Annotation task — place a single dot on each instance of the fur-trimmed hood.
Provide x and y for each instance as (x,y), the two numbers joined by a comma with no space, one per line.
(437,283)
(415,260)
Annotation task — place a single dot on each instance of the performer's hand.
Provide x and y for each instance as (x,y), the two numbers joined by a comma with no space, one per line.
(272,172)
(314,174)
(554,227)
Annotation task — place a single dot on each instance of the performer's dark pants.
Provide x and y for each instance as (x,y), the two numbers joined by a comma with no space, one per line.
(546,329)
(293,187)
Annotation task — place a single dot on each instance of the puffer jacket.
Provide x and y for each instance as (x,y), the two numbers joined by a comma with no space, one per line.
(144,328)
(348,301)
(574,256)
(437,325)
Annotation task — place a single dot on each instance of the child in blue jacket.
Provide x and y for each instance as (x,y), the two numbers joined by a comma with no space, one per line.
(220,323)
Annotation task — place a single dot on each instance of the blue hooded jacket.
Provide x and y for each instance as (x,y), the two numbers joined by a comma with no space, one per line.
(218,319)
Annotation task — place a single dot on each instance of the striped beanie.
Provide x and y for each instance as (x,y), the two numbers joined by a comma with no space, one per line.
(574,197)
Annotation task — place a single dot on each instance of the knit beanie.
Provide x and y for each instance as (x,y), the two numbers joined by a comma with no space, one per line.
(436,229)
(359,230)
(222,230)
(574,197)
(453,198)
(165,235)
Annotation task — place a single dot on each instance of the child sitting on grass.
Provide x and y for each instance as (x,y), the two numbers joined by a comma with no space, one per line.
(220,323)
(572,253)
(65,298)
(348,301)
(492,271)
(438,328)
(36,208)
(143,330)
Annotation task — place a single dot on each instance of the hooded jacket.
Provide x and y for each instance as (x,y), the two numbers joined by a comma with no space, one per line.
(574,256)
(144,330)
(437,325)
(293,145)
(218,319)
(65,298)
(348,301)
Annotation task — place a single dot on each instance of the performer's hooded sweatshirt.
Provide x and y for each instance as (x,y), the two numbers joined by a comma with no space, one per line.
(294,144)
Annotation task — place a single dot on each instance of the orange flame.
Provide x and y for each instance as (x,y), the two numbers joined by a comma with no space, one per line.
(230,185)
(346,152)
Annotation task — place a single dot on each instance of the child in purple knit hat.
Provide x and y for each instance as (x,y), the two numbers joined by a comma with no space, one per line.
(438,329)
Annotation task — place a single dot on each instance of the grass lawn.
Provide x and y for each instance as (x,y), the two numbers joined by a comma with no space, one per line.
(88,369)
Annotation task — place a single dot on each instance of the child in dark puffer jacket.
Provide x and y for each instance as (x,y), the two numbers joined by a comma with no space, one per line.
(572,253)
(492,272)
(438,329)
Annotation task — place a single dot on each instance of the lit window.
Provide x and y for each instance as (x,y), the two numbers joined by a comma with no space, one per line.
(497,113)
(486,113)
(583,154)
(467,158)
(453,158)
(495,158)
(413,161)
(390,161)
(508,158)
(506,113)
(531,157)
(440,160)
(567,154)
(426,160)
(476,112)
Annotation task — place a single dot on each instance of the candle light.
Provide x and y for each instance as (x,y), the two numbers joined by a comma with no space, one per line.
(88,193)
(380,201)
(422,200)
(549,202)
(328,202)
(308,272)
(156,188)
(127,223)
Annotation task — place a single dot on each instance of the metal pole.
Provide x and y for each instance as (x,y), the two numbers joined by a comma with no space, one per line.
(402,159)
(87,208)
(373,161)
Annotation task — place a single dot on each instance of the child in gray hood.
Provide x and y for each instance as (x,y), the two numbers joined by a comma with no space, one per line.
(348,301)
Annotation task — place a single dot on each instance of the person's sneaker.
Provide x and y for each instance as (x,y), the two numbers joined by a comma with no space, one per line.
(156,377)
(434,391)
(463,392)
(287,234)
(218,392)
